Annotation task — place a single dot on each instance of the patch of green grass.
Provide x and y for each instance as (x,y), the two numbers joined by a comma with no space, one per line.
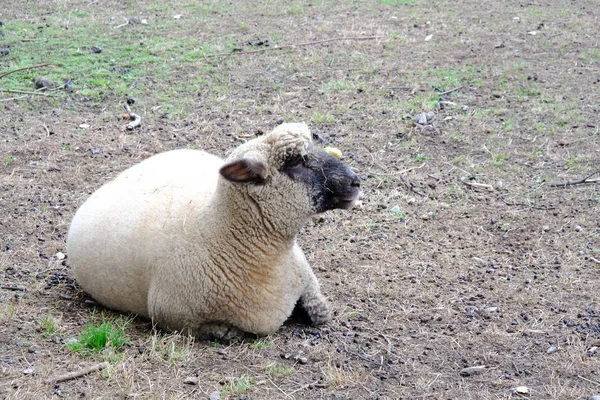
(590,55)
(498,159)
(572,163)
(9,159)
(237,386)
(418,157)
(336,86)
(397,2)
(261,344)
(48,325)
(319,117)
(173,349)
(97,338)
(65,146)
(277,370)
(7,312)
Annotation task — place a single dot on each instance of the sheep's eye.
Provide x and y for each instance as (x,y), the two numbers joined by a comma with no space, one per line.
(294,162)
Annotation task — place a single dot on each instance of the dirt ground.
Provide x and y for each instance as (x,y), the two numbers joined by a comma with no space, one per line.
(464,254)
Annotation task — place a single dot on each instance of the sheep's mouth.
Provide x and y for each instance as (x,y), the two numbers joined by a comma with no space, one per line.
(349,201)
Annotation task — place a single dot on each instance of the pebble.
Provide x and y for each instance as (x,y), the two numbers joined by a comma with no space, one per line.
(28,371)
(97,49)
(65,297)
(551,349)
(4,51)
(301,360)
(520,390)
(42,83)
(33,349)
(95,150)
(422,119)
(592,351)
(215,396)
(191,380)
(545,228)
(470,371)
(595,397)
(60,256)
(578,228)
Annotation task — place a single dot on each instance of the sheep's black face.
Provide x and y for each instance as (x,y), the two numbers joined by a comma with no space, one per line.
(330,183)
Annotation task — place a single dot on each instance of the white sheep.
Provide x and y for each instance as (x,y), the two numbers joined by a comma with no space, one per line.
(206,246)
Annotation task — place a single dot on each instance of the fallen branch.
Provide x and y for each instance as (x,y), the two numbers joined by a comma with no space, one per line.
(27,92)
(577,182)
(13,288)
(77,374)
(477,185)
(137,120)
(293,46)
(24,68)
(450,91)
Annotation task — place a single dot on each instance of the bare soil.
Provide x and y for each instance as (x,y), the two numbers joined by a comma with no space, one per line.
(464,254)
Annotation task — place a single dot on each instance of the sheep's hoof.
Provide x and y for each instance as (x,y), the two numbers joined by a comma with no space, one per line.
(219,332)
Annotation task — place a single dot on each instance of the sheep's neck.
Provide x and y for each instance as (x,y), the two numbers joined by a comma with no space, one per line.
(244,225)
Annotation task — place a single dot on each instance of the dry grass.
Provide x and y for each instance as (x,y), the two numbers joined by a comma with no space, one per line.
(430,277)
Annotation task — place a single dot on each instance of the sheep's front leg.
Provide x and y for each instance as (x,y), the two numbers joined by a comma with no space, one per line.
(315,304)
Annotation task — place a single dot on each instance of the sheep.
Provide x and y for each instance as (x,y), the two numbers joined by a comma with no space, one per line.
(207,246)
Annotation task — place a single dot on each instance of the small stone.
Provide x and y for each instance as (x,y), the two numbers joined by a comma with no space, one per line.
(552,349)
(470,371)
(95,150)
(144,22)
(28,371)
(130,101)
(592,351)
(422,119)
(301,360)
(279,120)
(545,228)
(65,297)
(428,38)
(395,209)
(595,397)
(84,126)
(520,390)
(190,380)
(97,49)
(215,395)
(178,16)
(532,33)
(430,115)
(4,51)
(33,349)
(60,256)
(285,356)
(579,228)
(42,83)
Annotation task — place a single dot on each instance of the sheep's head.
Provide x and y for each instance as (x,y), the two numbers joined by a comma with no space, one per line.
(284,163)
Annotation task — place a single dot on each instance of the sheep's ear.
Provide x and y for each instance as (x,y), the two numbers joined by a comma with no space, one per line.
(244,171)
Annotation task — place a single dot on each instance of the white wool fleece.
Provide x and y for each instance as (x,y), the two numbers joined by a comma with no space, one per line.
(172,240)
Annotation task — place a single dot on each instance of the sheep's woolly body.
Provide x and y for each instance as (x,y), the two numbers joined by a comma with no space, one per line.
(169,240)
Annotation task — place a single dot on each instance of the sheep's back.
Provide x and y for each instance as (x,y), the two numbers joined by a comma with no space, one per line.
(128,226)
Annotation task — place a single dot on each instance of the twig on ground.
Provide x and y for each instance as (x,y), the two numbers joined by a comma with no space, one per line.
(293,46)
(588,380)
(477,185)
(24,68)
(595,260)
(122,25)
(77,374)
(450,91)
(303,387)
(543,208)
(137,120)
(577,182)
(411,186)
(13,288)
(26,92)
